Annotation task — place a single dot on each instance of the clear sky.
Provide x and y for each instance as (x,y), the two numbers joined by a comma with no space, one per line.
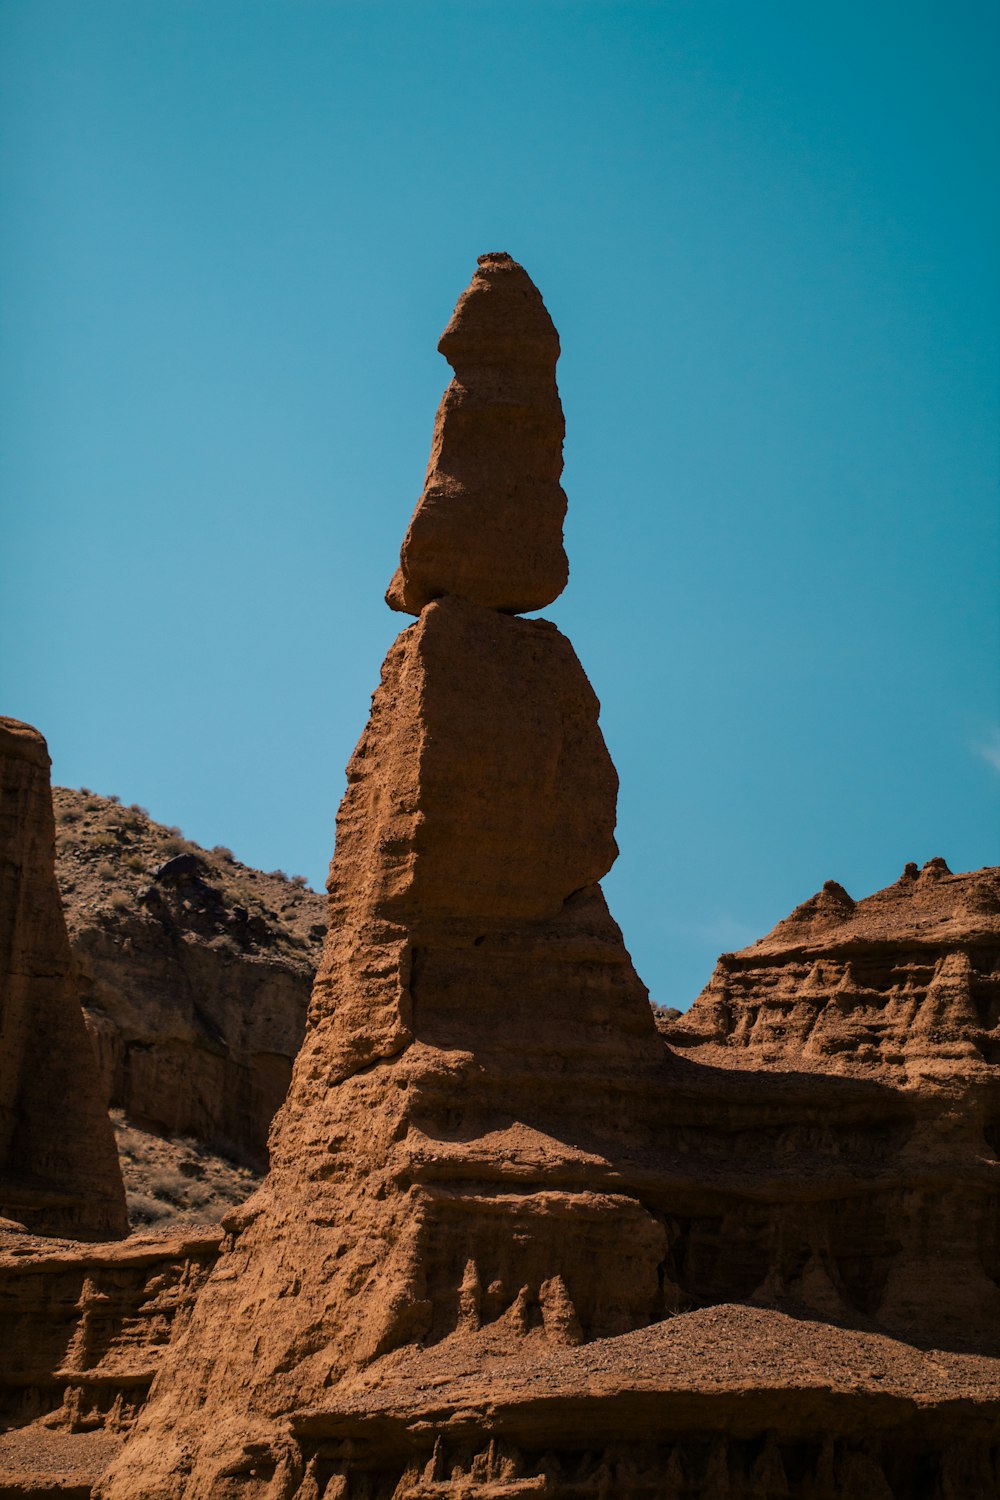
(768,235)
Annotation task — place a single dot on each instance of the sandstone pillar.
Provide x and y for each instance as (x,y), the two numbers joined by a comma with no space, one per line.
(449,1159)
(59,1170)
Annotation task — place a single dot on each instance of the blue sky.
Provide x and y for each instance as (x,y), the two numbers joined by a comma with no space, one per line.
(768,235)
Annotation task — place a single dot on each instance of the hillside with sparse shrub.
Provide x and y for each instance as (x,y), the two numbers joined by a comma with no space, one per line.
(195,974)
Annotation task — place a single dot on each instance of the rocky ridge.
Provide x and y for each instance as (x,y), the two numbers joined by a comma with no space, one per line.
(84,1327)
(904,984)
(194,971)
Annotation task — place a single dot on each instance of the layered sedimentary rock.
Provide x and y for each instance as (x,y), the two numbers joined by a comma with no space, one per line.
(904,984)
(885,1013)
(488,527)
(58,1165)
(83,1327)
(513,1241)
(194,971)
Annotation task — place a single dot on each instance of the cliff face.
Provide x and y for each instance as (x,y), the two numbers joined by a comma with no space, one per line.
(58,1165)
(903,986)
(883,1015)
(194,970)
(514,1241)
(83,1328)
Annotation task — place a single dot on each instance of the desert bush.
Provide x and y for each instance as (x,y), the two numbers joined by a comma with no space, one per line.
(221,852)
(137,807)
(121,902)
(116,801)
(300,882)
(106,870)
(135,862)
(171,1185)
(175,844)
(142,1209)
(66,814)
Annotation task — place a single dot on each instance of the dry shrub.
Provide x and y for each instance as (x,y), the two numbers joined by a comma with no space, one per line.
(142,1209)
(170,1184)
(106,870)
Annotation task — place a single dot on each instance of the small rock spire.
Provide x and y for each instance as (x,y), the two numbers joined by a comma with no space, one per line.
(488,526)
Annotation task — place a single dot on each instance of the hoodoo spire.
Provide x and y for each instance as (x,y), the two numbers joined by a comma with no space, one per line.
(452,1154)
(488,526)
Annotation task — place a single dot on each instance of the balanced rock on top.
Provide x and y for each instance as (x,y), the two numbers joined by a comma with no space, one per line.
(488,526)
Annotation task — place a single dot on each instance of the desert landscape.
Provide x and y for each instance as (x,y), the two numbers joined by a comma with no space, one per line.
(410,1191)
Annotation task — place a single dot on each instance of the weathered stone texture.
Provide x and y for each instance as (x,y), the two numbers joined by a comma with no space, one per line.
(59,1169)
(507,1222)
(194,973)
(488,526)
(904,985)
(83,1328)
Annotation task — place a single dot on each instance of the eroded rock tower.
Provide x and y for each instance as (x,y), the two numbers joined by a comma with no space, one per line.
(477,1031)
(494,1182)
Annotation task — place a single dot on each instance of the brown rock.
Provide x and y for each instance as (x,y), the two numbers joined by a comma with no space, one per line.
(901,985)
(488,526)
(195,972)
(475,1031)
(83,1328)
(900,993)
(514,1243)
(58,1165)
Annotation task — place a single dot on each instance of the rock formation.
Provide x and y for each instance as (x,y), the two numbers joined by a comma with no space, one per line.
(82,1328)
(512,1242)
(902,985)
(488,527)
(58,1165)
(194,970)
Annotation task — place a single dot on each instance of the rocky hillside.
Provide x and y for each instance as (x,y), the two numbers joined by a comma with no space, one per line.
(195,973)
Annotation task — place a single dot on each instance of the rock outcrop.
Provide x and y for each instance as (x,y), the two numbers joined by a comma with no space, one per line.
(83,1328)
(514,1242)
(902,986)
(58,1165)
(488,527)
(194,973)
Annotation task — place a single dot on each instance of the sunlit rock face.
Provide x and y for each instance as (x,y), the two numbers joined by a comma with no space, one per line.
(513,1240)
(488,526)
